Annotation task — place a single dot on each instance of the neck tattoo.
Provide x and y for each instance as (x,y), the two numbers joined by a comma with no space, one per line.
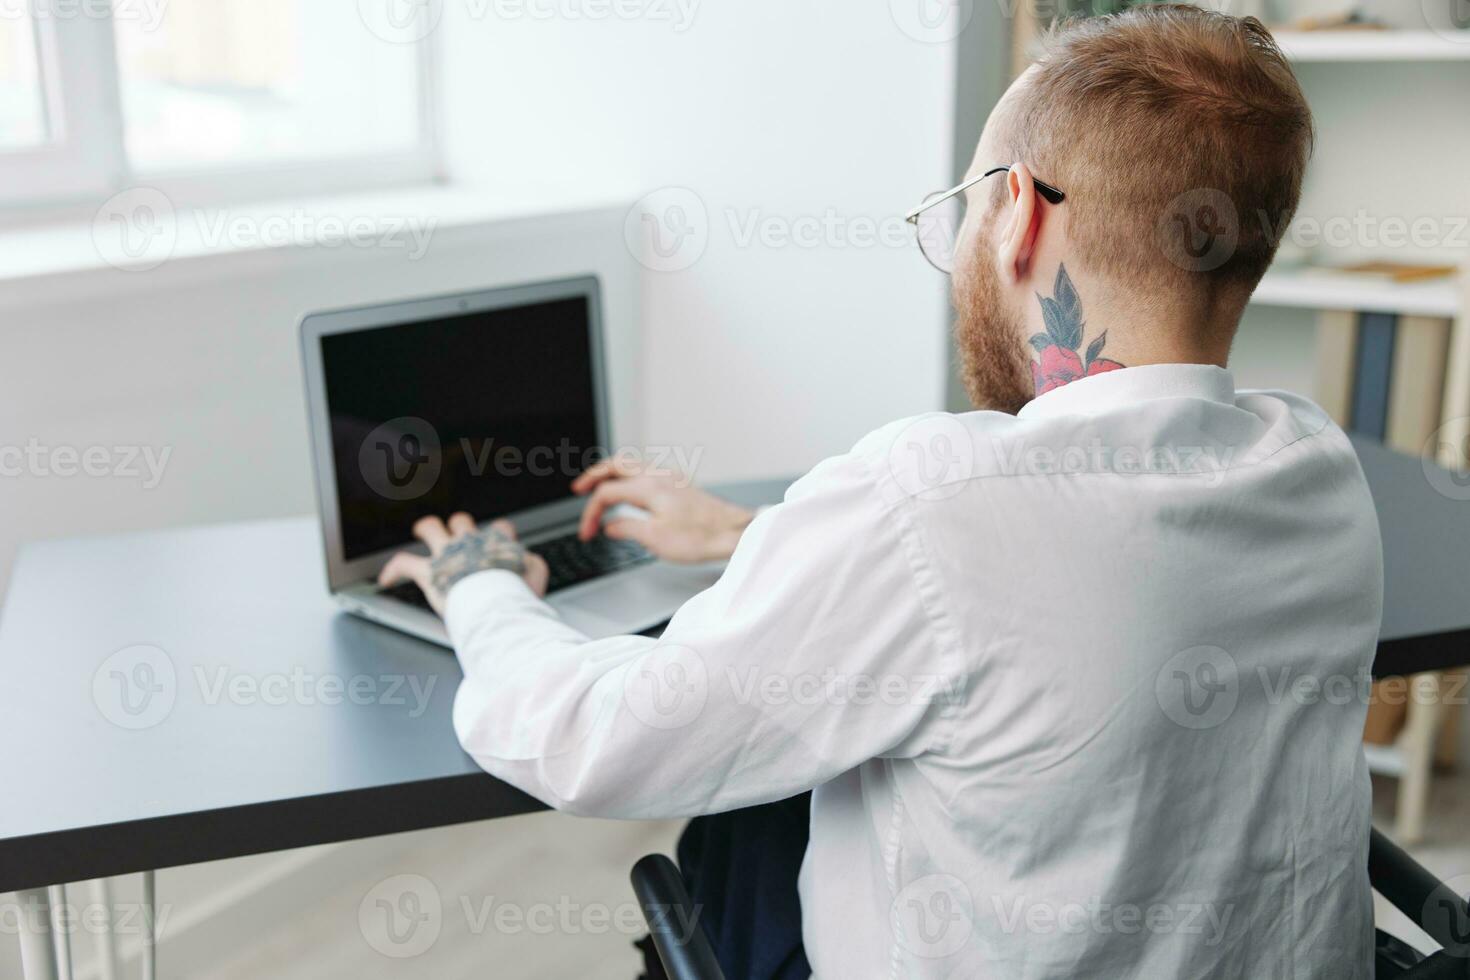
(1058,361)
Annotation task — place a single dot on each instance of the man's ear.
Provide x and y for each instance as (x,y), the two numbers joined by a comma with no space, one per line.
(1018,237)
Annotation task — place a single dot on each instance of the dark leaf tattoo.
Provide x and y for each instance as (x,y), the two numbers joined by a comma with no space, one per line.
(1058,361)
(478,551)
(1062,312)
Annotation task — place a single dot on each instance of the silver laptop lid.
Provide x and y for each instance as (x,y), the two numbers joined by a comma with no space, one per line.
(489,402)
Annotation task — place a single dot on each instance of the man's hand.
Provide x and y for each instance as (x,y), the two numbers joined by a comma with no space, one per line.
(684,524)
(459,550)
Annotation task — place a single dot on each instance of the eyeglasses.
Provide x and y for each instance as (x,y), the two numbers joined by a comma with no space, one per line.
(937,221)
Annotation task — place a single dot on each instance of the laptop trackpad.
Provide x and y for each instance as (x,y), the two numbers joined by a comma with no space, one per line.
(635,600)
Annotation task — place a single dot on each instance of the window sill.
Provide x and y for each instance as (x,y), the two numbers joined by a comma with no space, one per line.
(140,230)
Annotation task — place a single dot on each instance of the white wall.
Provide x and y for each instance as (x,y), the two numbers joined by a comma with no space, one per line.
(199,357)
(762,357)
(769,356)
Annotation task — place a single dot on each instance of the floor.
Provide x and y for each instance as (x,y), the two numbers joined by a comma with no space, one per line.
(539,897)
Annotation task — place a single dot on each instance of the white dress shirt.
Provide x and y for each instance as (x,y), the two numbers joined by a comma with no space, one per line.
(1080,692)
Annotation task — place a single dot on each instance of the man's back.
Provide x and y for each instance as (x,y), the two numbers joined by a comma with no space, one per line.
(1161,601)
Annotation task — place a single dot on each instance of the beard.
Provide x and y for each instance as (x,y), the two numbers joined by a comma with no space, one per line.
(995,364)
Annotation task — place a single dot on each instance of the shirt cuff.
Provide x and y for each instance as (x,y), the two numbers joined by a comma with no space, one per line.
(474,592)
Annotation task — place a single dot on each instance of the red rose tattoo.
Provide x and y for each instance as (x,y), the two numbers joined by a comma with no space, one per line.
(1057,348)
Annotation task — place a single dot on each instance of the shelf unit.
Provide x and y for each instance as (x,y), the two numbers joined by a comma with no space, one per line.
(1323,289)
(1373,45)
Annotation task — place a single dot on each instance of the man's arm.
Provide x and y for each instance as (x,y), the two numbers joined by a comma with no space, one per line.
(812,654)
(683,524)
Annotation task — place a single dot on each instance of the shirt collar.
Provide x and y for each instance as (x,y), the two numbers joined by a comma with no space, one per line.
(1112,389)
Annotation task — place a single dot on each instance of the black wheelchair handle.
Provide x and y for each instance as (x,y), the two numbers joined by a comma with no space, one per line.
(673,921)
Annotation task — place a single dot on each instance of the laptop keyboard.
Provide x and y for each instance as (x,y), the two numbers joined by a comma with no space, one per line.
(408,592)
(570,560)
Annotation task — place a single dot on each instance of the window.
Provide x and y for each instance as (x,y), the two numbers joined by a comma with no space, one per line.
(22,110)
(208,97)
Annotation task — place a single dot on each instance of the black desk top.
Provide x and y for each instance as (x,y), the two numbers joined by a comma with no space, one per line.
(1424,517)
(277,721)
(280,722)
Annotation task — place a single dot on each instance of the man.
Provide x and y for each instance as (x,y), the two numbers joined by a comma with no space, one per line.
(1049,674)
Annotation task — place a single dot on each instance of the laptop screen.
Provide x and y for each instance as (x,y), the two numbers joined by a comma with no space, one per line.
(490,412)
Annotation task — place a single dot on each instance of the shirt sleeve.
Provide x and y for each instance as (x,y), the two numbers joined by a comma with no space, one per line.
(813,653)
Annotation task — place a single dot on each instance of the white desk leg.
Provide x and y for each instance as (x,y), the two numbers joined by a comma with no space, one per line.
(37,944)
(150,927)
(1417,745)
(60,931)
(101,897)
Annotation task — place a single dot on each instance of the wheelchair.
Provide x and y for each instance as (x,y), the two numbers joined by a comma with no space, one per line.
(686,953)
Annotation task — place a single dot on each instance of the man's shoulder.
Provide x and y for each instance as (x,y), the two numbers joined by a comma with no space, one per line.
(932,455)
(922,455)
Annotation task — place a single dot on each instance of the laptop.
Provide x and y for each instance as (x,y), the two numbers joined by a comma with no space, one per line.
(488,402)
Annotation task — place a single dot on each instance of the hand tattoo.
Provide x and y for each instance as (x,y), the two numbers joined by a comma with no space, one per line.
(477,551)
(1057,348)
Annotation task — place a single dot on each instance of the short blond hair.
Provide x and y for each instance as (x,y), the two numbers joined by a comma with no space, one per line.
(1156,120)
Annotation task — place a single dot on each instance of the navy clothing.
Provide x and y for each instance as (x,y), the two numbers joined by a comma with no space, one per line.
(741,869)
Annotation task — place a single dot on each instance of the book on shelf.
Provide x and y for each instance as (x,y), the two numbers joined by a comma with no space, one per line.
(1404,380)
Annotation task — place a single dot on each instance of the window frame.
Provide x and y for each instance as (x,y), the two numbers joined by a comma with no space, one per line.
(86,160)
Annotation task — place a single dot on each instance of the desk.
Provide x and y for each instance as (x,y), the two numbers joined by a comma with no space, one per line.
(244,604)
(93,791)
(1426,563)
